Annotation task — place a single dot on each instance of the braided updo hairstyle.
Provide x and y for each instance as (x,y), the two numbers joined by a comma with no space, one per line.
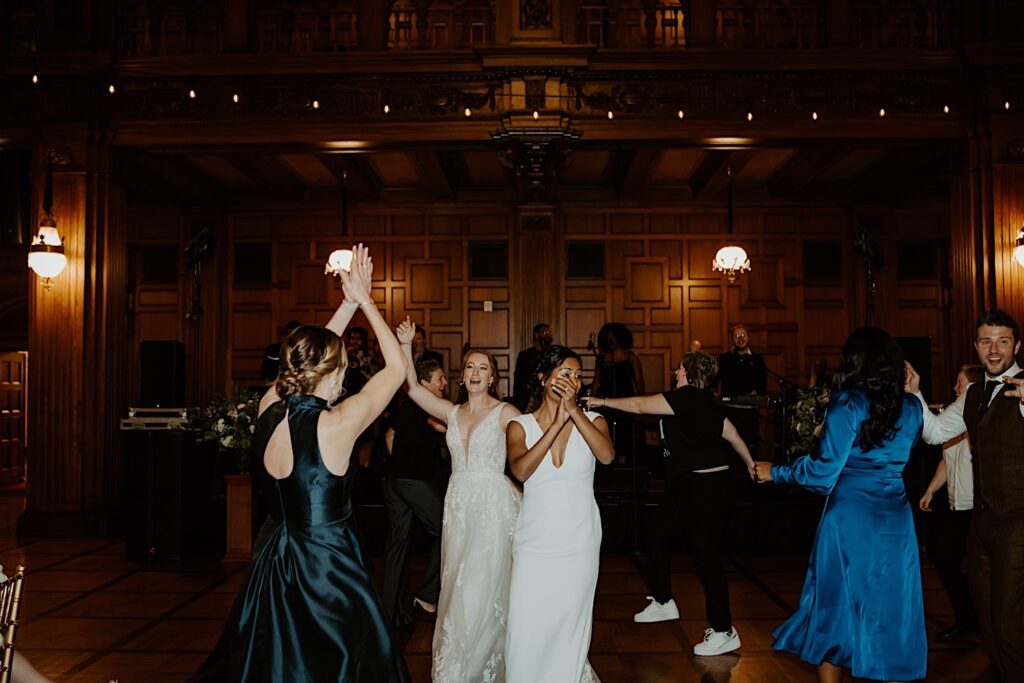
(701,369)
(308,354)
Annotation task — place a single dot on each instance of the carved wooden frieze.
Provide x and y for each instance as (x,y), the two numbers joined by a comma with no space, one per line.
(535,14)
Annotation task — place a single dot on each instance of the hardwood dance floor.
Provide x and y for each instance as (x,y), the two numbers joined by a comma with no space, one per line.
(89,615)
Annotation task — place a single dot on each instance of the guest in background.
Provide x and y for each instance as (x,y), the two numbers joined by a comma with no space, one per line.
(420,352)
(526,365)
(995,544)
(741,372)
(618,374)
(699,498)
(947,537)
(861,607)
(411,488)
(272,355)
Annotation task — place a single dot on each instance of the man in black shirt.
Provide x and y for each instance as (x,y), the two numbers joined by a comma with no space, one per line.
(410,488)
(526,365)
(741,372)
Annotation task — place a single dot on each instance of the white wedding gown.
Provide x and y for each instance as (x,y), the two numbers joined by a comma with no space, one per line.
(555,558)
(480,510)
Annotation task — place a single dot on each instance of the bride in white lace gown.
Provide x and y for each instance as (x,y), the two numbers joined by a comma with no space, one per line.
(555,555)
(480,511)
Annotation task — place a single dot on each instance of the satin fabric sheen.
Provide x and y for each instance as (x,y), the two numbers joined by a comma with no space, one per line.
(308,610)
(861,606)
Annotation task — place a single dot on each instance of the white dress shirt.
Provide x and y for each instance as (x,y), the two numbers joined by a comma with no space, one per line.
(950,422)
(959,477)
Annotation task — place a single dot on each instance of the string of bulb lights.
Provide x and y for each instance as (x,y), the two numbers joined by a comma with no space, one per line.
(467,112)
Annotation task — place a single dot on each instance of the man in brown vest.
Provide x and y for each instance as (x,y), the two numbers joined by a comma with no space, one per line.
(993,416)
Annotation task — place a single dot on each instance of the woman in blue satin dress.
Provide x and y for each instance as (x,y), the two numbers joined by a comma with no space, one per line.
(308,611)
(861,607)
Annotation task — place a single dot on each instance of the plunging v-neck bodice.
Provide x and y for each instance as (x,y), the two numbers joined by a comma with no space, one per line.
(484,450)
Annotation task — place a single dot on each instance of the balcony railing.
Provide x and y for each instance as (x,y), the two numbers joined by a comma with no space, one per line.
(145,28)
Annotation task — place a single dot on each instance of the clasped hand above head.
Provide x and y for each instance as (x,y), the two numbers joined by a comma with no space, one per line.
(355,282)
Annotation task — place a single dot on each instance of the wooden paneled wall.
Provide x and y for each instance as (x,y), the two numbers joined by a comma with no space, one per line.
(657,280)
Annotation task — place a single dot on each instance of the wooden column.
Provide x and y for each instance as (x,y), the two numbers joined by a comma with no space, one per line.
(987,212)
(703,23)
(78,353)
(538,277)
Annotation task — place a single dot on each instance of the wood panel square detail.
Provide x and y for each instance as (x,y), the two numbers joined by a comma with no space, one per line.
(310,284)
(699,256)
(580,323)
(646,281)
(763,285)
(428,282)
(488,329)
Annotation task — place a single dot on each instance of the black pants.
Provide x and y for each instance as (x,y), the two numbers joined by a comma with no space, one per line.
(404,498)
(697,505)
(995,569)
(947,548)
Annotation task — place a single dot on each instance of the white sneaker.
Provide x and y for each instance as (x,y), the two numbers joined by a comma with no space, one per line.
(717,642)
(657,611)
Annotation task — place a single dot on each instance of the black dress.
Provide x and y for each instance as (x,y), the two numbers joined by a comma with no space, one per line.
(308,610)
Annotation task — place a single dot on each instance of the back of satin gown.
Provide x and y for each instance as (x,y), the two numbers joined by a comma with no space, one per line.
(861,606)
(308,610)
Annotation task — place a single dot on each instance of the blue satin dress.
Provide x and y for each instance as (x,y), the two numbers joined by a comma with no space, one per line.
(308,610)
(861,607)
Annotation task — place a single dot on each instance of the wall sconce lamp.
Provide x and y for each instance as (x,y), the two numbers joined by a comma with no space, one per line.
(731,260)
(46,254)
(1018,252)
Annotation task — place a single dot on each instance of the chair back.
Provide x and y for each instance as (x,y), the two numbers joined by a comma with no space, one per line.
(10,605)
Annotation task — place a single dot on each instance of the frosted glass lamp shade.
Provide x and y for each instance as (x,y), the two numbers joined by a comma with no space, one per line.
(339,260)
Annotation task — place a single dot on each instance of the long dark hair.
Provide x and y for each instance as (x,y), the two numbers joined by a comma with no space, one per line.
(873,362)
(550,358)
(623,337)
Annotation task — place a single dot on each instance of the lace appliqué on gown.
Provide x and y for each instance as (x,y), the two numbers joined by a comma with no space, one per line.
(480,511)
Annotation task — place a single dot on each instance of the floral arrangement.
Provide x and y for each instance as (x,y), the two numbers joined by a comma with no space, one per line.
(229,422)
(806,419)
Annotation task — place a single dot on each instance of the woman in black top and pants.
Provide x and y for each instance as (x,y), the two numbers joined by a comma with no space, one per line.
(699,496)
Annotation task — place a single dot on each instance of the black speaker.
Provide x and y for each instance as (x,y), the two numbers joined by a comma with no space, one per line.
(162,370)
(918,352)
(167,497)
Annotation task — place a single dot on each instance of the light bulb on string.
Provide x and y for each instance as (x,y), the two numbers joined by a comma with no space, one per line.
(536,114)
(945,109)
(814,116)
(750,116)
(681,114)
(235,98)
(111,89)
(1006,105)
(467,112)
(35,78)
(611,115)
(316,104)
(387,109)
(881,112)
(191,93)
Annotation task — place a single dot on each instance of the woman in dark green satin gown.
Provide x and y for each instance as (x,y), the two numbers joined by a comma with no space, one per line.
(308,610)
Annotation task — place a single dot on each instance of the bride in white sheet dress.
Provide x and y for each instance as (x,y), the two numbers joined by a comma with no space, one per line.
(557,541)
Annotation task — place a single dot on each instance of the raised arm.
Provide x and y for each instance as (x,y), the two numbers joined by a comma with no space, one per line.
(435,406)
(939,428)
(654,404)
(369,403)
(730,434)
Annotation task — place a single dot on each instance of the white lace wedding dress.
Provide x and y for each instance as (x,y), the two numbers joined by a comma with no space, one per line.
(555,560)
(480,510)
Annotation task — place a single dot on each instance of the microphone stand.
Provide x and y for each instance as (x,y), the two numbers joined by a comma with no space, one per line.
(784,384)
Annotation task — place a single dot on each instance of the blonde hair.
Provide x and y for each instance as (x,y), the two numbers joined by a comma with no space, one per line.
(494,389)
(308,354)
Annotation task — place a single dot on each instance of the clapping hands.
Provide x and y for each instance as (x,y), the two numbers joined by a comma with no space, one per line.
(355,281)
(566,386)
